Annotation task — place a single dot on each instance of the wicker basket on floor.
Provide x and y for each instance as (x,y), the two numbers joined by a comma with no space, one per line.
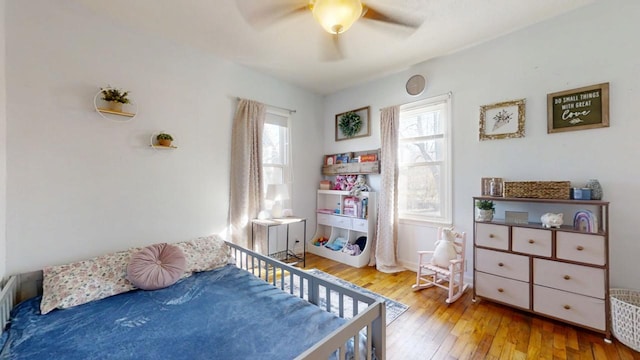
(537,189)
(625,316)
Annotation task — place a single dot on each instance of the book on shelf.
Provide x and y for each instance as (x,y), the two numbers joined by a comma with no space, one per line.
(368,157)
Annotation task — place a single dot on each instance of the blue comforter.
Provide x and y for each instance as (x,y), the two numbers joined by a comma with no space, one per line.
(221,314)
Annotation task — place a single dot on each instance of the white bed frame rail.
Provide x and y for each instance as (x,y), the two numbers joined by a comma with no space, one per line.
(8,298)
(368,315)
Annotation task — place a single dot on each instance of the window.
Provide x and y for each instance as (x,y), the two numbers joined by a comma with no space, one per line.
(424,161)
(275,150)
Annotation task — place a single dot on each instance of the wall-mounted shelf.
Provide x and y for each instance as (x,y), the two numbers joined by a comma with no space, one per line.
(363,167)
(119,113)
(153,144)
(371,167)
(119,116)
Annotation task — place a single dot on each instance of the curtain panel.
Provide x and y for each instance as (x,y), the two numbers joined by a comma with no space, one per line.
(246,193)
(385,256)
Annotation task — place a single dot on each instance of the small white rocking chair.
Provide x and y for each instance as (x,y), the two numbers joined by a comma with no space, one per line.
(451,278)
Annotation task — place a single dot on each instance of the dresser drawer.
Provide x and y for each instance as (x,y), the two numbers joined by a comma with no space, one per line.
(503,264)
(531,241)
(584,248)
(325,219)
(360,225)
(491,235)
(569,277)
(576,308)
(341,222)
(508,291)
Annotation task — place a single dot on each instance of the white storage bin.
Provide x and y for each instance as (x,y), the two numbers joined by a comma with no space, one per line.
(625,316)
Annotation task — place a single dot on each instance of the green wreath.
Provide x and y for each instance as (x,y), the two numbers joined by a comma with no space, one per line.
(350,124)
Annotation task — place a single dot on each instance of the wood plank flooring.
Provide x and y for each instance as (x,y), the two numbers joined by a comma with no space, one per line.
(431,329)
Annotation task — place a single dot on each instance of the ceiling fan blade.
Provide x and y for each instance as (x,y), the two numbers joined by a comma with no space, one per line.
(384,16)
(332,49)
(260,14)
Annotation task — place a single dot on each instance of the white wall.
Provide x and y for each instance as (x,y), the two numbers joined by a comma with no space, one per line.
(3,145)
(592,45)
(79,185)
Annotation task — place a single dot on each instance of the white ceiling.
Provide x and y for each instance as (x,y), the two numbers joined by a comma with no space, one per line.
(293,47)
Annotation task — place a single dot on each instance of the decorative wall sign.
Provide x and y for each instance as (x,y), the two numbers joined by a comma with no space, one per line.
(503,120)
(353,124)
(578,109)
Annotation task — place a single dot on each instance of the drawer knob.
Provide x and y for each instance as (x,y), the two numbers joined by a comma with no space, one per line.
(579,248)
(501,264)
(567,277)
(491,236)
(531,241)
(567,307)
(500,290)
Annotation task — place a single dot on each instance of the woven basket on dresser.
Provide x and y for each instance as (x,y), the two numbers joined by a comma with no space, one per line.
(537,189)
(625,316)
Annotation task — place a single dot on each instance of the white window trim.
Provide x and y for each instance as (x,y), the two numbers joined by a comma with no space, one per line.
(447,217)
(288,166)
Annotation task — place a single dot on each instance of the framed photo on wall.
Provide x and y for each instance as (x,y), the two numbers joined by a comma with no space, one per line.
(353,124)
(503,120)
(578,109)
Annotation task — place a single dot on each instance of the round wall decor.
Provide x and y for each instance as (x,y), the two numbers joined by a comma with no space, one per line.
(415,85)
(350,123)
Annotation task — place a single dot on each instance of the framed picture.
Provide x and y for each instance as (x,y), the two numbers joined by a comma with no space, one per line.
(353,124)
(578,109)
(503,120)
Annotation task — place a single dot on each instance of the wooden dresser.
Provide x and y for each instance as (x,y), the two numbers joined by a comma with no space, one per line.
(561,273)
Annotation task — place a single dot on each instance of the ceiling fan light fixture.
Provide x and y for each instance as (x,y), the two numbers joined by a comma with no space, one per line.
(336,16)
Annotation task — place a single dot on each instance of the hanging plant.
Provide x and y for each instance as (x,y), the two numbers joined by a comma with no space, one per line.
(115,95)
(350,124)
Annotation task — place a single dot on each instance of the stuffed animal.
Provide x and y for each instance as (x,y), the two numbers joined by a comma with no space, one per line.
(340,182)
(550,220)
(445,250)
(359,186)
(350,182)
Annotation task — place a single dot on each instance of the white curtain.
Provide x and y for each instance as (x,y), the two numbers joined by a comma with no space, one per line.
(385,256)
(246,193)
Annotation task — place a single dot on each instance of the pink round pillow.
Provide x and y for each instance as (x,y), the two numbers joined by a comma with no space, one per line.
(156,266)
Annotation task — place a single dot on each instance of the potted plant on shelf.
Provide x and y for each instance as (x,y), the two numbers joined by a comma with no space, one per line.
(115,98)
(484,210)
(164,139)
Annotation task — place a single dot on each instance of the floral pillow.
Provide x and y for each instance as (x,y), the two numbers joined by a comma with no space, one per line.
(64,286)
(205,253)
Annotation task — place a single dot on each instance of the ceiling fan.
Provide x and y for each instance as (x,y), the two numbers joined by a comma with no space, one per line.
(334,16)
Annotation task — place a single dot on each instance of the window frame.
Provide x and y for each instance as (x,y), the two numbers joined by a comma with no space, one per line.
(285,149)
(446,163)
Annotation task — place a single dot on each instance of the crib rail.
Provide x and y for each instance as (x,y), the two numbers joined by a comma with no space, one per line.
(366,317)
(8,296)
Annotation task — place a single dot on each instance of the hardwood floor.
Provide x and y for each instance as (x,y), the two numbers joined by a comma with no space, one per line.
(431,329)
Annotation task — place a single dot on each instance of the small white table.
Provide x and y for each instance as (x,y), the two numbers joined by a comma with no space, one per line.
(289,255)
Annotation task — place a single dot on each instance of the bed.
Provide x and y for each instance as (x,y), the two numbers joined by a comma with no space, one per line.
(244,310)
